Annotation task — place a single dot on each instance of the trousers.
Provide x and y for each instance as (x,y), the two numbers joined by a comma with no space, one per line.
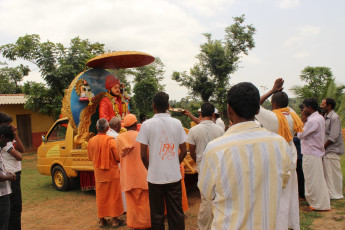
(172,195)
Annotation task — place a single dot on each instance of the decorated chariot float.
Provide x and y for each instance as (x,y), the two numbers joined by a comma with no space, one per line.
(93,94)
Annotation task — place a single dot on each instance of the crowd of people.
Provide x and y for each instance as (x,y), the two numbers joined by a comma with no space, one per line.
(251,174)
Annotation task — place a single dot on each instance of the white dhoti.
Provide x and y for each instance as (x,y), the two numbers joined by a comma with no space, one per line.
(316,191)
(333,175)
(205,215)
(288,212)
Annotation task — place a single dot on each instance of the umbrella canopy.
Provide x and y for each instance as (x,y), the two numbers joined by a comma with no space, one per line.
(120,60)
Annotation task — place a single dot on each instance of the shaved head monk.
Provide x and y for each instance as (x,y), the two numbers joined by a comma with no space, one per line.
(102,151)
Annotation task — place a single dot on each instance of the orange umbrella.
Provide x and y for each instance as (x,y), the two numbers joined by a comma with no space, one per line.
(120,60)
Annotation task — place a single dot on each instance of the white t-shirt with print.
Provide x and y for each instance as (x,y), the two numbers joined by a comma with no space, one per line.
(163,134)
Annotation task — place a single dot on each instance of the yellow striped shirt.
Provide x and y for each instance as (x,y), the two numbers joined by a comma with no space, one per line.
(243,172)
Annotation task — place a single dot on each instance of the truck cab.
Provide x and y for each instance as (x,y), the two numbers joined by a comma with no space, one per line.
(59,157)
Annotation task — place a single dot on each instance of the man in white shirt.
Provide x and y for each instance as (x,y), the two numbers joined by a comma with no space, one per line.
(6,135)
(219,120)
(198,138)
(12,156)
(114,127)
(164,136)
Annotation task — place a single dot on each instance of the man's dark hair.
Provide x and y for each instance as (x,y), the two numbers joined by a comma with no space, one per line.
(142,117)
(207,109)
(330,101)
(281,99)
(161,101)
(5,118)
(7,131)
(217,115)
(312,102)
(244,99)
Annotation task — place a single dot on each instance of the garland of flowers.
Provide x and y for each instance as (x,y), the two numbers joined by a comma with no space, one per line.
(113,102)
(115,107)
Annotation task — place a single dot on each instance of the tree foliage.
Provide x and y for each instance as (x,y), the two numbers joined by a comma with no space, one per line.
(146,84)
(218,59)
(58,64)
(320,84)
(10,78)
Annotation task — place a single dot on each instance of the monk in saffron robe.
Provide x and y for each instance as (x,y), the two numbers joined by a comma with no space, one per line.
(133,176)
(102,152)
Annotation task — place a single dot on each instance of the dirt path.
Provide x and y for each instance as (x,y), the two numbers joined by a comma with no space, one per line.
(71,212)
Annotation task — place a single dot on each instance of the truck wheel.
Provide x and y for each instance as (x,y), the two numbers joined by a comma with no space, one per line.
(60,179)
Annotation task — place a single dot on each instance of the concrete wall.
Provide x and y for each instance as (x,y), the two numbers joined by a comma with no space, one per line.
(40,124)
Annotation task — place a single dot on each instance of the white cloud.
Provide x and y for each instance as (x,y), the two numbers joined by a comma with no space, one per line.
(286,4)
(160,28)
(206,7)
(303,33)
(301,55)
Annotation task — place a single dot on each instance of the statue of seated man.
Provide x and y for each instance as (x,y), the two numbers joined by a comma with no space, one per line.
(113,104)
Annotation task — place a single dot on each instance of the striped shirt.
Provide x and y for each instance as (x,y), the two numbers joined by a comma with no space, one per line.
(243,172)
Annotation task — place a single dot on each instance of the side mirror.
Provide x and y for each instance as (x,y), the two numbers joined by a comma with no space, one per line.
(43,139)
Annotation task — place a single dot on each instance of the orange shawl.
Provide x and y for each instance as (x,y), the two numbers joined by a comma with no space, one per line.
(283,129)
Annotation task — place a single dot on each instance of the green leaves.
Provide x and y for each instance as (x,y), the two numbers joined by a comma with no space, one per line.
(209,78)
(58,66)
(10,78)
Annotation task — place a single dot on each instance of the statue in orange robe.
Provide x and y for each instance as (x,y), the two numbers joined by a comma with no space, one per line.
(102,151)
(114,103)
(133,176)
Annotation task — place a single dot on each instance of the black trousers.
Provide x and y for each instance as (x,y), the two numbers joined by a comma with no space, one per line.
(300,177)
(172,194)
(16,204)
(4,211)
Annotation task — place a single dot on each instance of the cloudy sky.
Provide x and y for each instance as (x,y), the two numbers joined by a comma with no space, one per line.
(291,34)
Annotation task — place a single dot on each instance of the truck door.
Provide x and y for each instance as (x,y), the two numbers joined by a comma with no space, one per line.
(55,142)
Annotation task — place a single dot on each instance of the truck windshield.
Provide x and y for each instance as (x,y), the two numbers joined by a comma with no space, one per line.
(59,132)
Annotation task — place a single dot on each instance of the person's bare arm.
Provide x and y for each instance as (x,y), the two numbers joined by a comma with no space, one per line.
(10,177)
(183,151)
(143,152)
(196,120)
(192,152)
(278,86)
(16,154)
(19,145)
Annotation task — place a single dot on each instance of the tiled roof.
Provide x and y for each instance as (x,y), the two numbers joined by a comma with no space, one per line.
(10,99)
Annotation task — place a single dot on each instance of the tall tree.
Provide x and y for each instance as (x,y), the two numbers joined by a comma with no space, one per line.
(218,59)
(320,83)
(10,78)
(146,84)
(58,64)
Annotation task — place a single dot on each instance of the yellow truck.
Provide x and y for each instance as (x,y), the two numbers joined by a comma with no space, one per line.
(63,152)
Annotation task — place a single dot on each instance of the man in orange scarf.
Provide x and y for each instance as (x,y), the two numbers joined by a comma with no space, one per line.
(133,176)
(102,151)
(285,122)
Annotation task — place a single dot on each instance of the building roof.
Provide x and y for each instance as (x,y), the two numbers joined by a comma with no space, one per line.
(10,99)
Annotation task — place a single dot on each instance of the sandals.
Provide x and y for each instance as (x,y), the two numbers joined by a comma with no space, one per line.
(102,223)
(118,223)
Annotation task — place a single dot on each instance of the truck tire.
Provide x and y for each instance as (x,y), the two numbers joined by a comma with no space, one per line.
(60,180)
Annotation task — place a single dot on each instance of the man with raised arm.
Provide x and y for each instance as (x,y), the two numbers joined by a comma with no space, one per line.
(285,122)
